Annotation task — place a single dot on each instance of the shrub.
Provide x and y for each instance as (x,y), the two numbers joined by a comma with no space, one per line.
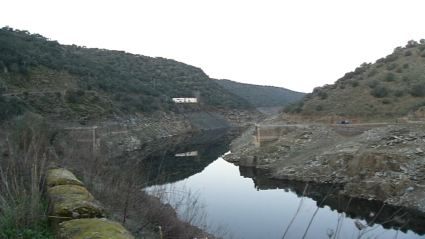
(12,107)
(359,70)
(423,54)
(373,83)
(406,65)
(319,107)
(391,67)
(81,92)
(408,53)
(317,89)
(72,98)
(392,57)
(22,211)
(399,70)
(418,90)
(389,77)
(386,101)
(379,91)
(342,87)
(373,72)
(354,83)
(399,93)
(406,78)
(323,95)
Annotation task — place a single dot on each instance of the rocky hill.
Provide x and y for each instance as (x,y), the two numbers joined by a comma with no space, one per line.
(391,87)
(261,96)
(72,81)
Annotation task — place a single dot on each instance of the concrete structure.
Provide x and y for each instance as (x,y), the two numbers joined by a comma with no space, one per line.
(268,133)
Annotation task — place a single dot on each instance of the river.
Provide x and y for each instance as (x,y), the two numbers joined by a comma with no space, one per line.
(241,202)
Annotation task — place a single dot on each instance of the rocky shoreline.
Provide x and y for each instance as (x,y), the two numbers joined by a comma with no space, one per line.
(371,161)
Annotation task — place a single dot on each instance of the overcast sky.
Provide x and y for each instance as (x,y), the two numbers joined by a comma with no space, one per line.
(293,44)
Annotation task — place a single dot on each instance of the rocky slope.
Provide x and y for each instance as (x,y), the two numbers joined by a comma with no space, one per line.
(382,162)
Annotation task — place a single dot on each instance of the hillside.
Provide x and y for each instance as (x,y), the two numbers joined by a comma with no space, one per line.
(261,96)
(391,87)
(97,82)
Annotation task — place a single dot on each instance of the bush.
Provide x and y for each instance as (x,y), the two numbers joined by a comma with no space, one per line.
(389,77)
(72,98)
(418,90)
(342,87)
(317,89)
(392,57)
(373,83)
(386,101)
(81,92)
(408,53)
(319,107)
(399,70)
(391,67)
(406,65)
(406,78)
(23,213)
(14,106)
(379,91)
(373,72)
(354,83)
(399,93)
(323,95)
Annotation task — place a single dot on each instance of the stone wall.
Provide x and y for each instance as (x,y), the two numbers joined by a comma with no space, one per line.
(76,213)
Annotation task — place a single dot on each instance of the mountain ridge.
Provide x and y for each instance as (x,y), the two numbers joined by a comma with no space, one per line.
(259,95)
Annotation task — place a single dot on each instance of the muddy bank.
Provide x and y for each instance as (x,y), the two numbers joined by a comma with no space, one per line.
(374,162)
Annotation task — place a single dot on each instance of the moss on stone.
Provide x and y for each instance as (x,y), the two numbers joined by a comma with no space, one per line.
(93,228)
(74,201)
(60,176)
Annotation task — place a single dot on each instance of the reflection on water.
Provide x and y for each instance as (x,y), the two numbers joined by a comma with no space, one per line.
(254,206)
(327,195)
(179,159)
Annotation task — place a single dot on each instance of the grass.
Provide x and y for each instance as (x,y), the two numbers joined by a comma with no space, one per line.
(23,212)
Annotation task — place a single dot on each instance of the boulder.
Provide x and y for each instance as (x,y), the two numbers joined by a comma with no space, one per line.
(73,201)
(60,176)
(93,228)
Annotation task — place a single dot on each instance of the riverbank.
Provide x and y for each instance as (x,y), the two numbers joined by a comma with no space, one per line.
(371,161)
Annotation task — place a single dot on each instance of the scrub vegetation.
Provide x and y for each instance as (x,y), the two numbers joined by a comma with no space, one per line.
(391,87)
(117,82)
(261,96)
(23,211)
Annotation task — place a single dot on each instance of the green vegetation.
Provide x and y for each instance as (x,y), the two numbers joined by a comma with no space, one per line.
(33,63)
(391,87)
(23,210)
(261,96)
(379,91)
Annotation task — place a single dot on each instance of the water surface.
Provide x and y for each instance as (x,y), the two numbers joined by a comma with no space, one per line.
(253,206)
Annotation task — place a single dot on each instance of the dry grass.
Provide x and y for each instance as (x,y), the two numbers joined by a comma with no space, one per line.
(118,183)
(23,213)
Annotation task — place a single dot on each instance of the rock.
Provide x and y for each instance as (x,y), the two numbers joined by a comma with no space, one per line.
(60,176)
(409,189)
(93,228)
(68,201)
